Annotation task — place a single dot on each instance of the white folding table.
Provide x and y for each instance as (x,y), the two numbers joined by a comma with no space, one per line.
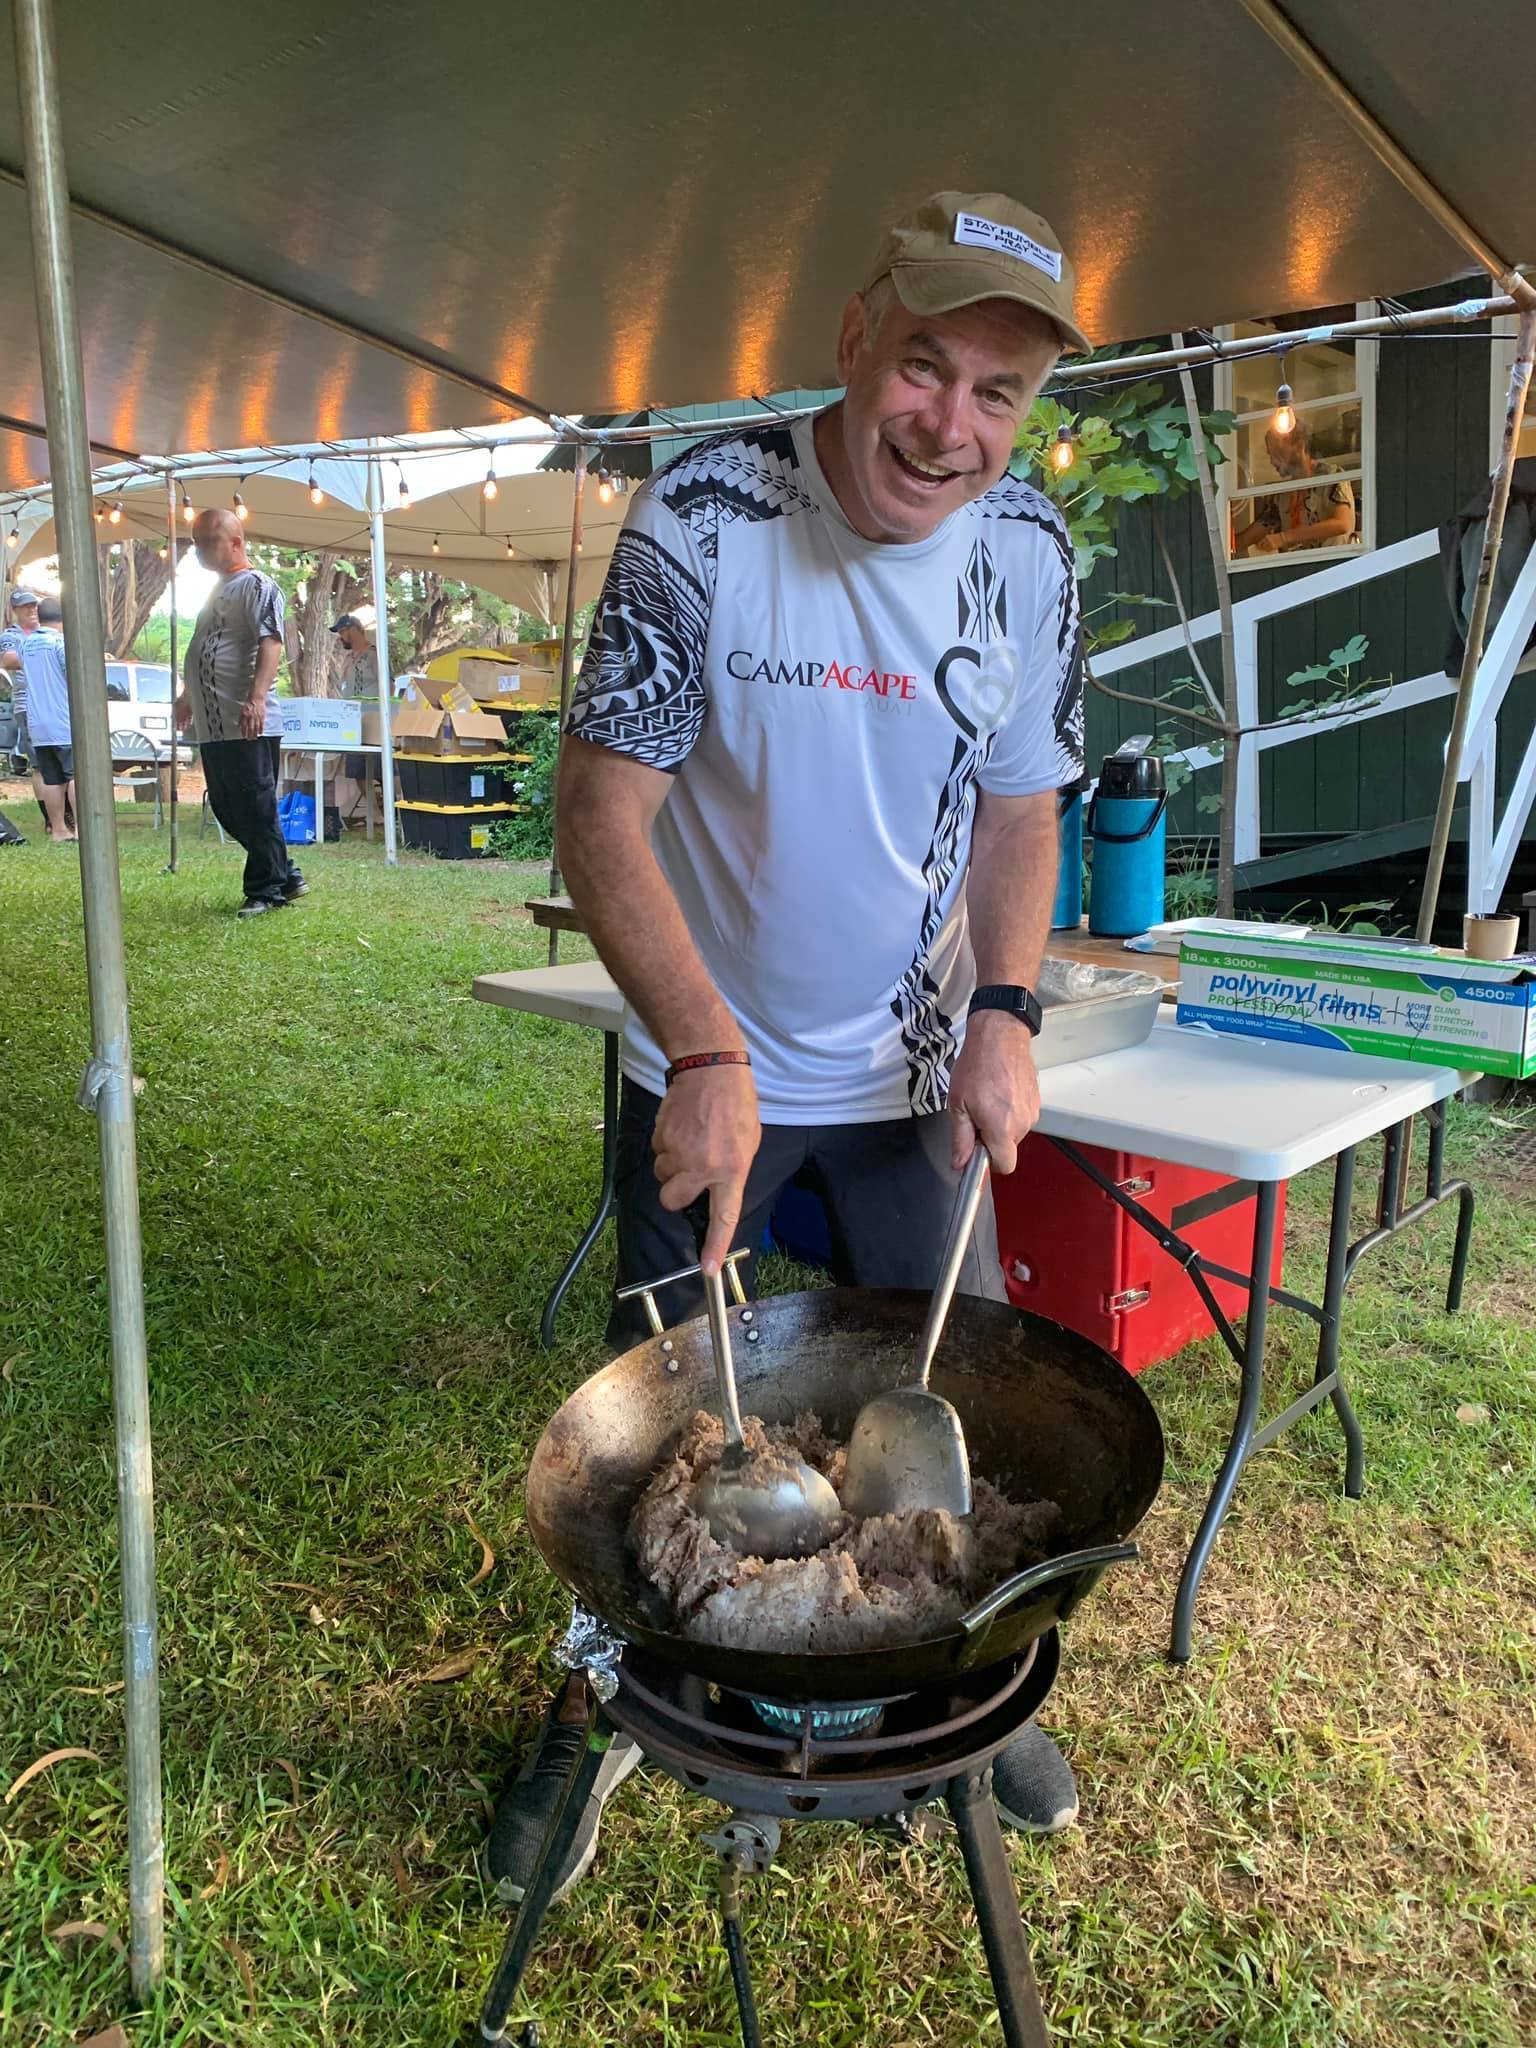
(1248,1109)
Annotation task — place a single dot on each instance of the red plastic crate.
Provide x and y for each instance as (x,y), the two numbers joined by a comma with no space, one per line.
(1073,1255)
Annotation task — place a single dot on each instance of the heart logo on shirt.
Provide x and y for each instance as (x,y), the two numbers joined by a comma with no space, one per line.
(979,686)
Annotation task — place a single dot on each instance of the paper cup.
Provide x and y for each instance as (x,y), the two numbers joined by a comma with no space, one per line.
(1488,936)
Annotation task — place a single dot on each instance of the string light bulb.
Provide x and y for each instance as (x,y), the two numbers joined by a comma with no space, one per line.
(1284,421)
(1063,452)
(437,545)
(604,488)
(13,538)
(164,552)
(405,489)
(316,495)
(187,512)
(115,514)
(100,511)
(242,510)
(488,488)
(511,551)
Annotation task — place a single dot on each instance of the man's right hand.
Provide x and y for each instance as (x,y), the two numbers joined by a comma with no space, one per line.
(706,1138)
(183,712)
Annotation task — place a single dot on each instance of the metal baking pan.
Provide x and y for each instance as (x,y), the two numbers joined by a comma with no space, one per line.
(1090,1011)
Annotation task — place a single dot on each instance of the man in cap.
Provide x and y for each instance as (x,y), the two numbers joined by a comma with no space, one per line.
(47,686)
(356,667)
(227,700)
(13,637)
(808,815)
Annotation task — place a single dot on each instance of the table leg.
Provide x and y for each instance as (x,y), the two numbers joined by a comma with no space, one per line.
(1249,1400)
(319,800)
(1333,1320)
(604,1207)
(368,797)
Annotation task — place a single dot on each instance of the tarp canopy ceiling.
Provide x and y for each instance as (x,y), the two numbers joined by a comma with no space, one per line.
(604,205)
(531,511)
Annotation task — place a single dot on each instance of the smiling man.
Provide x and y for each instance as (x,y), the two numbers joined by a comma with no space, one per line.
(808,815)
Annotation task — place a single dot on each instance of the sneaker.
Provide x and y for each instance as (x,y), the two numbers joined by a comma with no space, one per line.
(524,1811)
(1033,1785)
(293,889)
(258,906)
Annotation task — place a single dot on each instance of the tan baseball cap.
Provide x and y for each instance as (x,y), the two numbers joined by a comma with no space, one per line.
(958,247)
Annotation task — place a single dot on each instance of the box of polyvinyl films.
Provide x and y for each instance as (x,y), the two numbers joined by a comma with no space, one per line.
(1364,996)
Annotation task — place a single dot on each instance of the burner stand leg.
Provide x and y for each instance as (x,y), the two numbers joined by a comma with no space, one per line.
(997,1911)
(536,1899)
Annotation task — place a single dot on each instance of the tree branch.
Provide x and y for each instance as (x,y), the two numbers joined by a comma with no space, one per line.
(1204,680)
(1162,705)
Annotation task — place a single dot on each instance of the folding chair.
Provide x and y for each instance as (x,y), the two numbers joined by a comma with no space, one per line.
(135,752)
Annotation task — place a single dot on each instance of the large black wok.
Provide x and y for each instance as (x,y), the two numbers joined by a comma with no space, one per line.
(1046,1415)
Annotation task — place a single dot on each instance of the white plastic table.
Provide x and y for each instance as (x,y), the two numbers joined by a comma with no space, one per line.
(321,754)
(1261,1111)
(1247,1109)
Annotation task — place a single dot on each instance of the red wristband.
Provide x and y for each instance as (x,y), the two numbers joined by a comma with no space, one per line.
(690,1060)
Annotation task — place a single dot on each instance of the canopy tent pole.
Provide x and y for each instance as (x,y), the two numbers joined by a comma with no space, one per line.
(381,645)
(567,649)
(107,1088)
(170,541)
(1472,653)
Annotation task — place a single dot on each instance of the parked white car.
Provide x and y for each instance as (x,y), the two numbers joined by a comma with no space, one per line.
(139,697)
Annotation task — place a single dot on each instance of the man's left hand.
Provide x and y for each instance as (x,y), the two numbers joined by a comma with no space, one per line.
(253,717)
(995,1092)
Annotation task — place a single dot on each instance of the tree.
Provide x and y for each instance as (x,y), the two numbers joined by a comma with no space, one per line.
(134,578)
(1142,444)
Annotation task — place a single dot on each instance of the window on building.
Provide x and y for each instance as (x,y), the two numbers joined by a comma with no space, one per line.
(1309,494)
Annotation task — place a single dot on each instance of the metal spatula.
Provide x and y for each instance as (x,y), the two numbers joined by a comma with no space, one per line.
(763,1505)
(907,1449)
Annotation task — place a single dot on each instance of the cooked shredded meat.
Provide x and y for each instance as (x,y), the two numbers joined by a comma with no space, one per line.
(888,1580)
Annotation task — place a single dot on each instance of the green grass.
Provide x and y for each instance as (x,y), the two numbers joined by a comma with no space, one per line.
(357,1184)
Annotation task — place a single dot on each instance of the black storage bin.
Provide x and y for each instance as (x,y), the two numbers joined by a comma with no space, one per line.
(451,831)
(457,779)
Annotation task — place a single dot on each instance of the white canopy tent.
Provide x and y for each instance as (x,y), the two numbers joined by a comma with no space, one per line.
(351,275)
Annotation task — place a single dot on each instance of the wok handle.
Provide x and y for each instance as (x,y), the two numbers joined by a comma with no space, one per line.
(647,1289)
(1038,1575)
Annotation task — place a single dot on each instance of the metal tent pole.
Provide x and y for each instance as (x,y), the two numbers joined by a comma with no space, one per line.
(1472,654)
(170,541)
(381,644)
(567,651)
(108,1085)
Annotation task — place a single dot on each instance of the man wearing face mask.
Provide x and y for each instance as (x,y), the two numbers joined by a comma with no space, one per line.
(808,815)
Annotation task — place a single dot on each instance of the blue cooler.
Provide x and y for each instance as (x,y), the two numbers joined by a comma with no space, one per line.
(1128,823)
(1068,912)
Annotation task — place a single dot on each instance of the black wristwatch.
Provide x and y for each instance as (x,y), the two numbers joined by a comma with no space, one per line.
(1013,997)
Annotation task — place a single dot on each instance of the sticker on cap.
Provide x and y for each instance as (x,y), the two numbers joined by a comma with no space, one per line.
(980,233)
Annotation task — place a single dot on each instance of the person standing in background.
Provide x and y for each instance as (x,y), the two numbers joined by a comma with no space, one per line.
(356,666)
(227,700)
(47,693)
(12,639)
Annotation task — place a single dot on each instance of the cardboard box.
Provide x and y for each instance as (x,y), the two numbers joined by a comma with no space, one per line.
(426,728)
(331,722)
(1364,996)
(510,680)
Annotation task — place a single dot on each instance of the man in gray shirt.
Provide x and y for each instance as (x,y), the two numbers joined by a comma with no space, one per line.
(227,700)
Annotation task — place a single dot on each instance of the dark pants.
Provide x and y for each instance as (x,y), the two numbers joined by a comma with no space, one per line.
(241,776)
(888,1189)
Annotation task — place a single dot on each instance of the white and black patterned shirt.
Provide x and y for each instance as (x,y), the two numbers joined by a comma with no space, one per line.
(829,707)
(242,611)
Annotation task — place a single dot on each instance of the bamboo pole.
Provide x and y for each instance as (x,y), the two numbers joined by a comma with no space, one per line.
(1477,625)
(1231,709)
(567,653)
(170,541)
(107,1088)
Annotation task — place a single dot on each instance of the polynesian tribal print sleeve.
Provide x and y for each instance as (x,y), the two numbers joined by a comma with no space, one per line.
(641,691)
(1048,720)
